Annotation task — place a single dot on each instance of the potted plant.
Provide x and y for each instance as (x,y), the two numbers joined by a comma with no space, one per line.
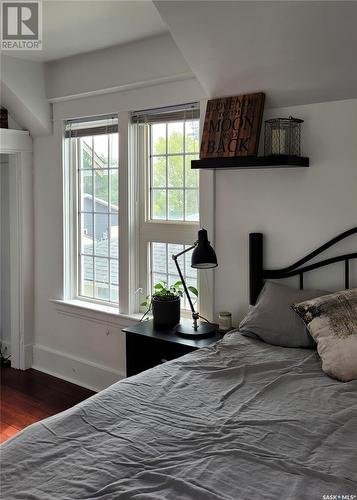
(165,303)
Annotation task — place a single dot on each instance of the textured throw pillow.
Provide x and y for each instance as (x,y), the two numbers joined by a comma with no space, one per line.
(273,320)
(332,321)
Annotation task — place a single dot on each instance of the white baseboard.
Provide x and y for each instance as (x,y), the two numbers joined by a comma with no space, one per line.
(28,356)
(73,369)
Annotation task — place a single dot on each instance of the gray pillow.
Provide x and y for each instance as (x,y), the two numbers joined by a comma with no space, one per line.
(272,319)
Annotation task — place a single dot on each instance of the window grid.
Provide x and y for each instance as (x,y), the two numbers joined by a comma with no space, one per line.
(97,270)
(109,224)
(184,172)
(167,271)
(167,170)
(95,212)
(183,188)
(95,169)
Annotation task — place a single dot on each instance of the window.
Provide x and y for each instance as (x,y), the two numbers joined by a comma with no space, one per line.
(163,267)
(152,201)
(173,185)
(92,168)
(167,140)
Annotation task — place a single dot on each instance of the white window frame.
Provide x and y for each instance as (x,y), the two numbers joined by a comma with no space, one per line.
(179,232)
(131,253)
(72,236)
(207,208)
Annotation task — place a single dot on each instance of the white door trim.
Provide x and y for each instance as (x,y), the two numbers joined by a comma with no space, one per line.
(17,333)
(19,145)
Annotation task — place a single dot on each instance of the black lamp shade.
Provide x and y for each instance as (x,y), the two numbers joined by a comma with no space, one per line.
(203,256)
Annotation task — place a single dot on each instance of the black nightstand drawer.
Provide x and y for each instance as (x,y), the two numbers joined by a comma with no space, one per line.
(147,346)
(144,352)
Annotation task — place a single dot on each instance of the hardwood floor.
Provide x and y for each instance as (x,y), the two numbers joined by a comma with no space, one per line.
(29,396)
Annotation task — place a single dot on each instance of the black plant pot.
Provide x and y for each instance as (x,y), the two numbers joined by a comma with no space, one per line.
(166,313)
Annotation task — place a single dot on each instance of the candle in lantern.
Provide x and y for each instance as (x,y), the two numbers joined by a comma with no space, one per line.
(278,141)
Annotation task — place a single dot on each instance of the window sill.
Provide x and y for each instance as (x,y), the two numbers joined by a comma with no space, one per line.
(98,313)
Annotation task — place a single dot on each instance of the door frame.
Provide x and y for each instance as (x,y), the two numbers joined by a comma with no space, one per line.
(18,145)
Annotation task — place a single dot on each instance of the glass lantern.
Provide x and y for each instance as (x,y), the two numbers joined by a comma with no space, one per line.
(283,136)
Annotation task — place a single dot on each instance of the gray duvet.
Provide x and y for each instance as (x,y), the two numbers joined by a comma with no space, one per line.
(240,420)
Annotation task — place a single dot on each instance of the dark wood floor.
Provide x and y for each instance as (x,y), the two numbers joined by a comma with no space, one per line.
(29,396)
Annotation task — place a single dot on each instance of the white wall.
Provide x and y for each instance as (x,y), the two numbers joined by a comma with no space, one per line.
(115,67)
(5,332)
(23,92)
(79,346)
(296,209)
(13,124)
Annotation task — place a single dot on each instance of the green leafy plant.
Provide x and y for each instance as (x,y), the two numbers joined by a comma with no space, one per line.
(164,292)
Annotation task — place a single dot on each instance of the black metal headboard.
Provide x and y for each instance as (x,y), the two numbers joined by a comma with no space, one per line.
(257,273)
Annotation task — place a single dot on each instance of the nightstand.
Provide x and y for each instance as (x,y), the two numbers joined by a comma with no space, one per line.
(147,346)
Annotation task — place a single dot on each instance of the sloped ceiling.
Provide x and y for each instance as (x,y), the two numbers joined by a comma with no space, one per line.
(297,52)
(79,26)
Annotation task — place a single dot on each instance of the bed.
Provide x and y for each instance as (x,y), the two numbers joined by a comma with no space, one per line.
(239,420)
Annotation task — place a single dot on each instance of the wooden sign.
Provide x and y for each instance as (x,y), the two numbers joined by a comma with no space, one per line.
(232,126)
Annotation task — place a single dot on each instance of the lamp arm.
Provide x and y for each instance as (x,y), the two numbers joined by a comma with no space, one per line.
(184,251)
(174,258)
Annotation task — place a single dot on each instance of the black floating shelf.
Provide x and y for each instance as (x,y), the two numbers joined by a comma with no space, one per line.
(247,162)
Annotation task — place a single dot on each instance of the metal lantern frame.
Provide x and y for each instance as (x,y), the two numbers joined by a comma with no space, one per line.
(283,136)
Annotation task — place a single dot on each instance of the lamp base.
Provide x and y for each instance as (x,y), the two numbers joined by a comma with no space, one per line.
(203,330)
